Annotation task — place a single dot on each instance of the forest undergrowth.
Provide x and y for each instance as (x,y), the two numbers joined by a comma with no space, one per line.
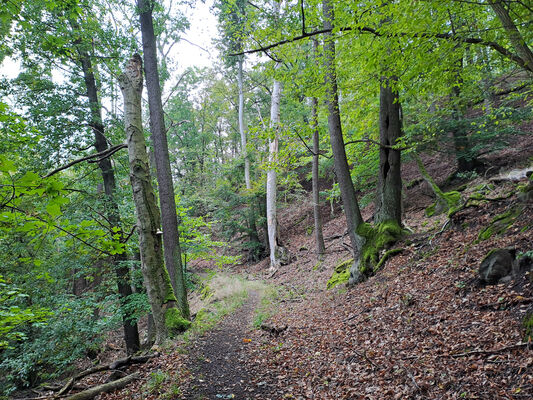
(423,327)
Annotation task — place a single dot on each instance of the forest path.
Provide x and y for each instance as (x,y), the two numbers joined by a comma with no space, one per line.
(217,360)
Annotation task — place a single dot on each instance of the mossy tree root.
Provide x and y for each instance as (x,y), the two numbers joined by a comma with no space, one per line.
(377,238)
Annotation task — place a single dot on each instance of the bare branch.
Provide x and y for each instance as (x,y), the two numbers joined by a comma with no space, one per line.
(385,146)
(102,155)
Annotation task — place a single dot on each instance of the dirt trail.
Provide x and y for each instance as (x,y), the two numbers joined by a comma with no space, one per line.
(217,360)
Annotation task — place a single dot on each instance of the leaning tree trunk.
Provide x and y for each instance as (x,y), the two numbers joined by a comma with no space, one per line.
(514,34)
(342,170)
(167,316)
(389,195)
(131,333)
(164,175)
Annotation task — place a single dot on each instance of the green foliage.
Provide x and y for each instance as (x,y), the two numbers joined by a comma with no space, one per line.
(71,332)
(16,316)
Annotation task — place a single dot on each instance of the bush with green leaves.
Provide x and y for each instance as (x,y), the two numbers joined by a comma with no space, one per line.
(72,331)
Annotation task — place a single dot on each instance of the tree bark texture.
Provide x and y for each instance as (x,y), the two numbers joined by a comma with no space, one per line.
(518,42)
(156,278)
(131,333)
(164,176)
(389,194)
(342,170)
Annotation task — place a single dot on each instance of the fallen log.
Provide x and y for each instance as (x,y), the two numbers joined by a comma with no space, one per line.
(105,367)
(106,387)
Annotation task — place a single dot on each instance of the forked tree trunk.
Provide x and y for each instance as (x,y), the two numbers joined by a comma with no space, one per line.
(342,170)
(163,303)
(389,195)
(131,333)
(164,175)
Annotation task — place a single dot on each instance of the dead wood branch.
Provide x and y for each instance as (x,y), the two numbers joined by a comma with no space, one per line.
(105,367)
(495,351)
(106,387)
(101,155)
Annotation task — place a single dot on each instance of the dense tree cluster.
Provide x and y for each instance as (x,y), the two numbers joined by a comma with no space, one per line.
(333,93)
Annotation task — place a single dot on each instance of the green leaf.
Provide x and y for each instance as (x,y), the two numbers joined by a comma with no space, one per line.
(53,209)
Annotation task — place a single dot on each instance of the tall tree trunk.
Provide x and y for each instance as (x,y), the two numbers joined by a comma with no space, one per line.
(466,161)
(131,333)
(271,184)
(513,33)
(164,175)
(342,170)
(242,129)
(389,196)
(319,235)
(167,316)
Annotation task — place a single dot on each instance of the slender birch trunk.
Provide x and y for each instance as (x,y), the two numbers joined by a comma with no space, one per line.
(271,184)
(167,316)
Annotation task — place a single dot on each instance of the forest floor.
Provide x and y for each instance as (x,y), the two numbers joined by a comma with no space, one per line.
(424,327)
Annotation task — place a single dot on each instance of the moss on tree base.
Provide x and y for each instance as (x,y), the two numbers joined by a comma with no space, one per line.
(175,322)
(376,239)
